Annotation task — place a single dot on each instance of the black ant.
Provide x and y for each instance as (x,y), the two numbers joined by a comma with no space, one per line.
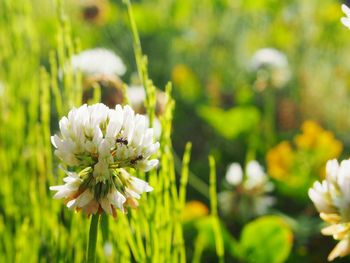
(122,141)
(138,158)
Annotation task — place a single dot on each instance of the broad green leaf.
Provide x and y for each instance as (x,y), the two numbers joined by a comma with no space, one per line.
(268,239)
(231,123)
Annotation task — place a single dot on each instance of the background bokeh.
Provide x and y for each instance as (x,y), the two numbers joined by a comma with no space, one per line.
(223,106)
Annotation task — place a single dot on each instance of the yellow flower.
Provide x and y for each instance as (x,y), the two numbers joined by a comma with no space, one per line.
(314,137)
(194,210)
(180,74)
(279,160)
(331,147)
(186,82)
(310,132)
(320,141)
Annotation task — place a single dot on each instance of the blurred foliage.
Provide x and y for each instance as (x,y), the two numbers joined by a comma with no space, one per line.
(239,120)
(297,167)
(267,239)
(205,47)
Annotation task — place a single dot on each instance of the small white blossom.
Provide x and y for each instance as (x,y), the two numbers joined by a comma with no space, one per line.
(346,20)
(136,96)
(108,249)
(331,198)
(270,65)
(255,175)
(98,145)
(268,57)
(98,61)
(234,174)
(249,189)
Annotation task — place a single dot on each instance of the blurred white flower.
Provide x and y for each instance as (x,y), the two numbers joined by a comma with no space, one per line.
(268,57)
(271,67)
(234,174)
(97,145)
(98,61)
(249,189)
(136,96)
(108,249)
(331,198)
(255,175)
(346,20)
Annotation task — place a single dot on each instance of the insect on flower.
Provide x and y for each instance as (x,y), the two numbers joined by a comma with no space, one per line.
(97,148)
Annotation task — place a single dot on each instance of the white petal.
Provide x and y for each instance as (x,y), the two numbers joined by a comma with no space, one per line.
(140,186)
(345,9)
(234,174)
(117,199)
(332,168)
(106,205)
(84,198)
(345,22)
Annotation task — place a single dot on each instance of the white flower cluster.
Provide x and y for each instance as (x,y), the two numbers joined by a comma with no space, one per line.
(251,186)
(271,65)
(98,61)
(98,145)
(346,20)
(331,198)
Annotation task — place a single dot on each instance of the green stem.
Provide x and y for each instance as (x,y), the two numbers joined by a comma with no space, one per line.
(270,116)
(92,238)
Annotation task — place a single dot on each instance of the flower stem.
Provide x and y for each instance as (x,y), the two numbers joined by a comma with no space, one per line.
(91,252)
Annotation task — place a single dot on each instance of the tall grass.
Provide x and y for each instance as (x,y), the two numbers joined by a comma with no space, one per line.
(40,87)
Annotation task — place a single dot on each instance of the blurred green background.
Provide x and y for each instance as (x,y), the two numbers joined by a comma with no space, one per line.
(224,105)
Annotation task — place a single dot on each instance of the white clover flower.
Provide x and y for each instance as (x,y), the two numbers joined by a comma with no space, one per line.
(234,174)
(98,146)
(268,57)
(256,176)
(270,65)
(331,198)
(108,249)
(250,186)
(136,96)
(98,61)
(346,20)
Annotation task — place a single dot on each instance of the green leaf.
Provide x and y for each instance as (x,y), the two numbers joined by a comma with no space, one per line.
(232,123)
(205,229)
(267,239)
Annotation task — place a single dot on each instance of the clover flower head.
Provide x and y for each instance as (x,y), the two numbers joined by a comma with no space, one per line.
(98,61)
(268,57)
(331,198)
(271,66)
(234,174)
(252,185)
(98,147)
(346,20)
(137,97)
